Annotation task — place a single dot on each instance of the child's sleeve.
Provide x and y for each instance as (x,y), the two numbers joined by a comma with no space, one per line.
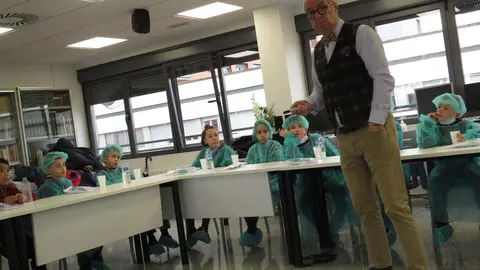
(427,133)
(196,162)
(48,192)
(227,156)
(472,130)
(277,153)
(290,147)
(399,135)
(251,153)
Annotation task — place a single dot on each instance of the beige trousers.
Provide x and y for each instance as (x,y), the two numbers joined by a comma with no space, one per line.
(373,158)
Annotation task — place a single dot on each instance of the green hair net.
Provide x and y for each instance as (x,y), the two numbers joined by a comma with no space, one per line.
(50,158)
(111,149)
(295,119)
(267,126)
(455,101)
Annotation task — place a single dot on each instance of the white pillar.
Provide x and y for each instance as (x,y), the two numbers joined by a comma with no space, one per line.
(281,56)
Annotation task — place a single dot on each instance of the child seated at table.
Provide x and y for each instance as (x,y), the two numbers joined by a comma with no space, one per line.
(53,165)
(263,151)
(222,157)
(111,157)
(434,130)
(10,194)
(299,144)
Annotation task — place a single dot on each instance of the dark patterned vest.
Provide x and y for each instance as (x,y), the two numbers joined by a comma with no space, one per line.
(347,86)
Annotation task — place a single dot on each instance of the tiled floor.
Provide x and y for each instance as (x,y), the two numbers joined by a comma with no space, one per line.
(460,253)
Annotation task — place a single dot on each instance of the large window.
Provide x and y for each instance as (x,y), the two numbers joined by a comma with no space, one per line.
(151,119)
(109,121)
(468,24)
(415,50)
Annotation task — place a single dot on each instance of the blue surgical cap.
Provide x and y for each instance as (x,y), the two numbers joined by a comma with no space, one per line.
(111,149)
(50,158)
(267,126)
(295,119)
(455,101)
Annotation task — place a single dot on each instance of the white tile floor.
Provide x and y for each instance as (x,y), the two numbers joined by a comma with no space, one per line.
(460,253)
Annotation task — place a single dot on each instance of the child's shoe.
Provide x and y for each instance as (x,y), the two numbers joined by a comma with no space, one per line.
(157,249)
(442,234)
(168,242)
(251,240)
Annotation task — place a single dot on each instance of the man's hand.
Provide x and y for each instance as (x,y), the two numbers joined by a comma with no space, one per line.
(11,199)
(284,132)
(433,115)
(301,107)
(372,127)
(461,137)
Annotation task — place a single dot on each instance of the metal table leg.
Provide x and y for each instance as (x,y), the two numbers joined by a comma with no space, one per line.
(21,242)
(179,218)
(10,245)
(142,252)
(289,212)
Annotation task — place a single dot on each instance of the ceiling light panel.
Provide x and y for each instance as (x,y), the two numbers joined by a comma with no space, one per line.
(96,43)
(209,11)
(241,54)
(4,30)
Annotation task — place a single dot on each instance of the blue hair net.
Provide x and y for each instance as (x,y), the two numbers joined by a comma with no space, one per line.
(50,158)
(455,101)
(111,149)
(295,119)
(267,126)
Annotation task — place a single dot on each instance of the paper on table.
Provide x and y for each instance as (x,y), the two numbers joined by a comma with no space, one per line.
(78,190)
(233,166)
(5,207)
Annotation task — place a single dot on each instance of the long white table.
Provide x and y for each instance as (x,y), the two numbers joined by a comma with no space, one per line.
(214,193)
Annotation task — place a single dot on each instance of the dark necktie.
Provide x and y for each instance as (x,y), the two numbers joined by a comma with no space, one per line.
(327,39)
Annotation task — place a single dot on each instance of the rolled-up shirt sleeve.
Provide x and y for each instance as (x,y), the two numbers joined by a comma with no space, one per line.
(316,98)
(370,48)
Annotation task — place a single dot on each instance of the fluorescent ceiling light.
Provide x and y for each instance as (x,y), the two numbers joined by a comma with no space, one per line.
(96,43)
(241,54)
(4,30)
(210,10)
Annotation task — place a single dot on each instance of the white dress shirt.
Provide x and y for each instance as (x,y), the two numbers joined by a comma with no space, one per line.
(369,47)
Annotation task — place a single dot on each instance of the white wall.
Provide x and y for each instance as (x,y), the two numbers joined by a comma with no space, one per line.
(49,76)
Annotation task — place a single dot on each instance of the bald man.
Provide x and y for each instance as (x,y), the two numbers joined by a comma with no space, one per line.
(353,83)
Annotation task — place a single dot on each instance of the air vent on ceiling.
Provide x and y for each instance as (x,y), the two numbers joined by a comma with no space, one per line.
(17,19)
(177,25)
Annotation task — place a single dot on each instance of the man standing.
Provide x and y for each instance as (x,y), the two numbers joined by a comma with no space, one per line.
(352,81)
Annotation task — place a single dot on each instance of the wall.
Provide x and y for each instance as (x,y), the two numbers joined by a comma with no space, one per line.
(49,76)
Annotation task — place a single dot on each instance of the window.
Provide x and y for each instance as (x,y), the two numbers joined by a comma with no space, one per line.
(151,119)
(109,122)
(213,123)
(468,24)
(241,88)
(197,100)
(415,49)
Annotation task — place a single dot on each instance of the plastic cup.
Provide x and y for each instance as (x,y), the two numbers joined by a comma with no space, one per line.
(137,173)
(235,159)
(102,181)
(453,135)
(203,162)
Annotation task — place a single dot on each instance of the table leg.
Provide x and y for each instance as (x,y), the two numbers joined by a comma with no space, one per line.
(142,252)
(290,219)
(179,218)
(10,245)
(21,242)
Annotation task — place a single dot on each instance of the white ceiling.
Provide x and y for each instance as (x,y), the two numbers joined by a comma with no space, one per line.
(63,22)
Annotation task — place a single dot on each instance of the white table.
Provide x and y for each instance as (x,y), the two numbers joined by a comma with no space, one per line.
(69,224)
(214,193)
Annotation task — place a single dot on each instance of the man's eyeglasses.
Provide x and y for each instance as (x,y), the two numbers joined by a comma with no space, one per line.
(321,10)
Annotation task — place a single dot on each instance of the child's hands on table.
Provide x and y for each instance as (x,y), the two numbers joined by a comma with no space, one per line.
(11,199)
(19,198)
(461,137)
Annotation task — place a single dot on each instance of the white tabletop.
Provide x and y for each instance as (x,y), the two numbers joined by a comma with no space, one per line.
(59,201)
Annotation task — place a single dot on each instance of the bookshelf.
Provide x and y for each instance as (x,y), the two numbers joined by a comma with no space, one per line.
(47,117)
(9,139)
